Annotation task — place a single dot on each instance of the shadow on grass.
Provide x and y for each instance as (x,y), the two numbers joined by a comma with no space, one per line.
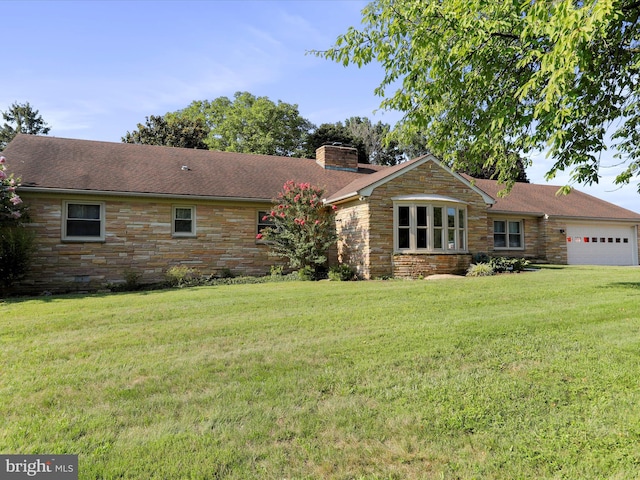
(632,285)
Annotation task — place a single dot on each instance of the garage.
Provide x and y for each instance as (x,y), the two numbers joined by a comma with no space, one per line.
(599,244)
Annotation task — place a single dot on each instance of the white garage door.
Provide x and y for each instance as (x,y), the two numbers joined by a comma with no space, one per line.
(601,245)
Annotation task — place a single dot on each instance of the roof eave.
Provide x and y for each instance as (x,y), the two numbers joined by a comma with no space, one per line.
(111,193)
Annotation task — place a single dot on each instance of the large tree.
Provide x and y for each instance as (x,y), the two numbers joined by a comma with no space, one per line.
(328,133)
(482,79)
(21,118)
(371,140)
(170,130)
(251,124)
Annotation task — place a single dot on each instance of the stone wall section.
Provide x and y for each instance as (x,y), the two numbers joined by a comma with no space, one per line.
(352,227)
(138,239)
(534,239)
(428,178)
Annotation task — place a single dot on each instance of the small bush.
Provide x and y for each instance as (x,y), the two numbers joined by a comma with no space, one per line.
(480,270)
(341,273)
(181,275)
(481,257)
(306,273)
(505,264)
(16,248)
(276,270)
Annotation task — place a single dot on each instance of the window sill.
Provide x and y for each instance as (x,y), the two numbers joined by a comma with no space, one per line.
(431,252)
(83,240)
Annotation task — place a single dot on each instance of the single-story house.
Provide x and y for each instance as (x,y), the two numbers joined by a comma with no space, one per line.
(103,209)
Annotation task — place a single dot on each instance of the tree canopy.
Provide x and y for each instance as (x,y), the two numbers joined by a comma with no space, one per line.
(488,82)
(171,131)
(371,140)
(21,118)
(251,124)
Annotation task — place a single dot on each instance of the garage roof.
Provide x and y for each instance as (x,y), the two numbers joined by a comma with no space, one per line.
(530,198)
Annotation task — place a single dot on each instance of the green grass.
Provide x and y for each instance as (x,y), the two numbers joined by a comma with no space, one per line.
(534,375)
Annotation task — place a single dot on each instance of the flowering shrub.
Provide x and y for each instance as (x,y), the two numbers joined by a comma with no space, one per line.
(11,208)
(302,227)
(16,243)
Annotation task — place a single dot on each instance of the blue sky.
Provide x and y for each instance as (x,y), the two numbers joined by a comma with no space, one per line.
(94,69)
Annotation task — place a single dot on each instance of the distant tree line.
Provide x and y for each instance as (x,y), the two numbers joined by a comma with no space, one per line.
(250,124)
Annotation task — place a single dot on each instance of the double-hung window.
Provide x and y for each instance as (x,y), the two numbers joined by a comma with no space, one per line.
(428,227)
(508,234)
(83,221)
(183,223)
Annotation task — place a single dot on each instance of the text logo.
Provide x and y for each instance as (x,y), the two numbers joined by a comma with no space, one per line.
(49,467)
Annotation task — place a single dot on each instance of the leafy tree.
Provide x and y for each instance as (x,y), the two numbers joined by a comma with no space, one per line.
(21,118)
(379,147)
(302,227)
(371,140)
(482,79)
(251,124)
(170,130)
(335,132)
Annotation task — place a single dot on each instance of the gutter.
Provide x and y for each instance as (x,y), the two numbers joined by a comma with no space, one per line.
(110,193)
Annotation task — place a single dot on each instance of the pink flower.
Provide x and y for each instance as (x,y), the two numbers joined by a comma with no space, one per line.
(16,200)
(259,236)
(317,222)
(3,160)
(265,218)
(334,207)
(16,214)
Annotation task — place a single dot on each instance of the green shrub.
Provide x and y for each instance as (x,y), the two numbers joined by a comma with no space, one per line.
(480,270)
(182,275)
(341,273)
(505,264)
(306,273)
(16,248)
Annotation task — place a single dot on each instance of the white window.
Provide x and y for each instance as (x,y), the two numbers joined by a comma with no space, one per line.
(508,234)
(83,221)
(184,221)
(423,227)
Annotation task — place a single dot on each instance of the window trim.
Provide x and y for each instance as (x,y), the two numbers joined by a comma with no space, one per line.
(507,234)
(192,232)
(82,238)
(444,203)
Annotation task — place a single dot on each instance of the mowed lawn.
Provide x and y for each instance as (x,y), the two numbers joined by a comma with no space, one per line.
(532,375)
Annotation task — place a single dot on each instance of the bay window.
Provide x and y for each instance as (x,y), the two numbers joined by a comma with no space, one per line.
(426,227)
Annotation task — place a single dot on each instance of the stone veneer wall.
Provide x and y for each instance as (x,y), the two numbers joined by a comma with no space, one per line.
(554,242)
(352,227)
(534,243)
(138,239)
(427,178)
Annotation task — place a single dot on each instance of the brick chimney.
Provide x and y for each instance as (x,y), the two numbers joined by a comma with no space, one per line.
(337,157)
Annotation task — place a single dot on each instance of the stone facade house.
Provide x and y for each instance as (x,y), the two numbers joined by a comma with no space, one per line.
(101,210)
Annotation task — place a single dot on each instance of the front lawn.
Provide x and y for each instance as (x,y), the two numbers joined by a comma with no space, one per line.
(533,375)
